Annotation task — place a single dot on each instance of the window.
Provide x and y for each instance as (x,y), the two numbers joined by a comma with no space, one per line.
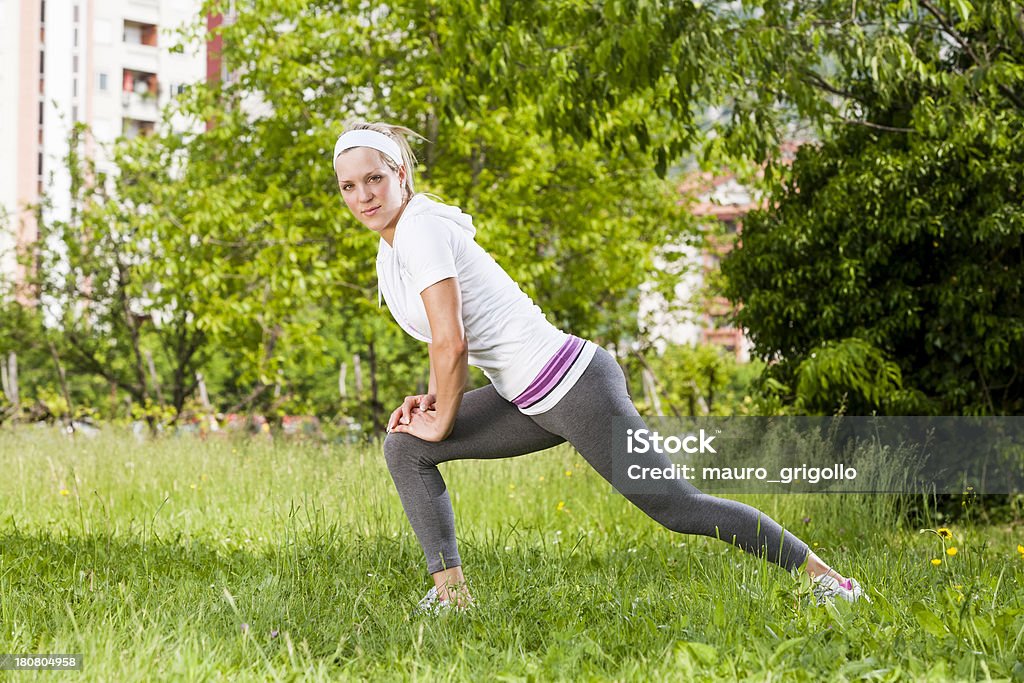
(39,163)
(74,87)
(138,33)
(41,108)
(102,84)
(74,64)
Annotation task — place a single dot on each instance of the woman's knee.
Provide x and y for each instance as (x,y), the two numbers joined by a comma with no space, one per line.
(400,451)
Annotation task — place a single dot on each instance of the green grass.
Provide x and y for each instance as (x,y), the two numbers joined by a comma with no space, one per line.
(149,558)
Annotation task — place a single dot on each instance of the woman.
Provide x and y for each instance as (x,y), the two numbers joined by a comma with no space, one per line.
(547,387)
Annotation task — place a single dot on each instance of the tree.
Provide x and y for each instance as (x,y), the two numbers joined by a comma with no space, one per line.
(896,243)
(114,302)
(576,226)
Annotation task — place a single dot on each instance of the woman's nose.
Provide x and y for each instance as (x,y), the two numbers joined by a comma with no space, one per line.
(365,193)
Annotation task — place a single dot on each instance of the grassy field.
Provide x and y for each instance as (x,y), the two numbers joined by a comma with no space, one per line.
(247,560)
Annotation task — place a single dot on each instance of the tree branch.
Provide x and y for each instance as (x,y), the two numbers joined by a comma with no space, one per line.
(817,81)
(878,126)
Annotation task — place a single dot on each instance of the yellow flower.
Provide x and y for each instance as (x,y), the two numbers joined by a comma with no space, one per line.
(541,478)
(560,506)
(936,562)
(1020,549)
(568,473)
(944,533)
(65,492)
(951,551)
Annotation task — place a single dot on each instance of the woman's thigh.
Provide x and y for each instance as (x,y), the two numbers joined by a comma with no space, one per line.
(587,416)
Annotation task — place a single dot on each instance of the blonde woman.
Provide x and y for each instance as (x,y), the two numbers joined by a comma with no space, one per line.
(547,386)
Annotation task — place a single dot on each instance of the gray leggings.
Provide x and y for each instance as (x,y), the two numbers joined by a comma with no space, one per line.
(487,426)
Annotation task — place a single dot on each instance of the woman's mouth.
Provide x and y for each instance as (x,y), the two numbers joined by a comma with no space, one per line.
(371,212)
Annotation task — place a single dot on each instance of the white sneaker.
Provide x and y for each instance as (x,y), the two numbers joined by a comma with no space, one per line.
(431,604)
(828,588)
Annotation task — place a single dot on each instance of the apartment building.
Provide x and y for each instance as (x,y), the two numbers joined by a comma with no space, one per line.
(105,63)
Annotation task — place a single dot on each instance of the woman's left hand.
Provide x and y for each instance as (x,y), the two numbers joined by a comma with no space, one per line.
(426,425)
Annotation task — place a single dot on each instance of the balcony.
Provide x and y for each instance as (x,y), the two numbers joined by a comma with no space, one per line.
(139,33)
(139,95)
(131,128)
(136,106)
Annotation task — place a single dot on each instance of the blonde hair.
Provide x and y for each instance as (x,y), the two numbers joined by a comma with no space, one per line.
(400,135)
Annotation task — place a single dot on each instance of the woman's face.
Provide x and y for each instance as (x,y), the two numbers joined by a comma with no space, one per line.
(372,191)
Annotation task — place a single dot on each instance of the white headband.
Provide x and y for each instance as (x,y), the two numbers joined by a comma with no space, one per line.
(371,139)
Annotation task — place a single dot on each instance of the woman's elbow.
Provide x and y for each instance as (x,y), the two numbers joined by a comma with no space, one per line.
(451,347)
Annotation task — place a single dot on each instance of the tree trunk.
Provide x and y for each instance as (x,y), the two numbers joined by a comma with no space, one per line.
(12,381)
(66,418)
(154,378)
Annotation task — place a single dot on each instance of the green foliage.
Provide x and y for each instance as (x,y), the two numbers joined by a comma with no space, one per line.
(282,260)
(893,249)
(696,380)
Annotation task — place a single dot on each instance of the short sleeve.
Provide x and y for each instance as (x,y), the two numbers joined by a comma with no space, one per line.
(426,247)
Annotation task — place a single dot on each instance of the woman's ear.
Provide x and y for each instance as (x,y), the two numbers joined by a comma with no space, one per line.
(401,181)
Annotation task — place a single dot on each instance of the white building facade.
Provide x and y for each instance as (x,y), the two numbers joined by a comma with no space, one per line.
(105,63)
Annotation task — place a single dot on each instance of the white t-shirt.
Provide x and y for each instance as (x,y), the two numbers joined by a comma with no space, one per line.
(508,336)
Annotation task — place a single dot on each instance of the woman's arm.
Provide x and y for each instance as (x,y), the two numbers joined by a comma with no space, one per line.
(449,368)
(432,383)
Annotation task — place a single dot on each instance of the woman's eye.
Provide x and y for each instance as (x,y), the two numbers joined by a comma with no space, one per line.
(346,187)
(374,178)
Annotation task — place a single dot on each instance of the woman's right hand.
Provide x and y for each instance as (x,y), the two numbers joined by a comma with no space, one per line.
(411,404)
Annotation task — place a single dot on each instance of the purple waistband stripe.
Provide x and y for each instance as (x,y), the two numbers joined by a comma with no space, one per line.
(552,373)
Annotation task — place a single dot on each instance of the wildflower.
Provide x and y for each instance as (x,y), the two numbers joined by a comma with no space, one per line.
(560,506)
(807,520)
(1020,549)
(951,551)
(65,492)
(245,627)
(273,633)
(568,473)
(192,486)
(540,478)
(936,561)
(943,532)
